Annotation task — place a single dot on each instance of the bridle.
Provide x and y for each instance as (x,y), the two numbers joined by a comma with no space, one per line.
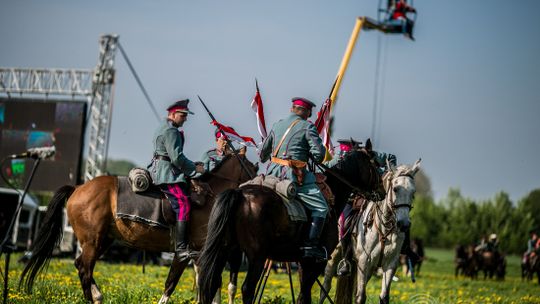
(388,220)
(356,191)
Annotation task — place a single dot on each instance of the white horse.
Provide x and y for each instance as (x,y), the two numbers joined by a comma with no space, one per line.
(377,238)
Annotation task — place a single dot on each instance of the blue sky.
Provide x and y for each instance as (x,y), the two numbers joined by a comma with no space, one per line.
(463,97)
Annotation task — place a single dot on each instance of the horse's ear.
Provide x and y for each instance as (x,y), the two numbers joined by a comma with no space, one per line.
(390,166)
(416,166)
(369,147)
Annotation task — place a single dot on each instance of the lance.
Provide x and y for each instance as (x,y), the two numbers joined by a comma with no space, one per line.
(257,84)
(229,144)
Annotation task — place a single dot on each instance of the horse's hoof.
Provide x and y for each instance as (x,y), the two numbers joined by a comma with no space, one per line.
(164,299)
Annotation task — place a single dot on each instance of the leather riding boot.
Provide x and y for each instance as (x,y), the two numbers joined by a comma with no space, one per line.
(312,249)
(344,266)
(181,247)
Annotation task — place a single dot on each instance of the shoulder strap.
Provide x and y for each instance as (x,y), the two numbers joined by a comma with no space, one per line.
(276,151)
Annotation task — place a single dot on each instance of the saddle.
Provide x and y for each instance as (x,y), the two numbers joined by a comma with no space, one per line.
(151,207)
(287,191)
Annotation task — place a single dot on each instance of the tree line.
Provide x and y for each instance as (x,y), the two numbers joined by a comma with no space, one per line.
(456,220)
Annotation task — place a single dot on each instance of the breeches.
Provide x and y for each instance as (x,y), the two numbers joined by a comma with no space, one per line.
(313,199)
(176,194)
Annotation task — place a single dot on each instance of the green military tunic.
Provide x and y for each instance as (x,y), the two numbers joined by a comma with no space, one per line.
(211,159)
(169,142)
(301,141)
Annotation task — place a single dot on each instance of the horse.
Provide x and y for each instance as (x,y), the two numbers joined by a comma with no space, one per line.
(255,219)
(534,267)
(467,261)
(378,237)
(91,211)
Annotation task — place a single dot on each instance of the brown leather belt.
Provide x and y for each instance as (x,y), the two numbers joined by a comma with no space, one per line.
(297,167)
(293,163)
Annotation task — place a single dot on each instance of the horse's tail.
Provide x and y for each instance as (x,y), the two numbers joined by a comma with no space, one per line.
(218,243)
(48,237)
(346,286)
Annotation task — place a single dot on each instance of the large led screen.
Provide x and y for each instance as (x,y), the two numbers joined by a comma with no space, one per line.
(30,123)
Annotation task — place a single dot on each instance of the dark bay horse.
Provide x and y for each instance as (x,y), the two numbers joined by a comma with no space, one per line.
(91,211)
(255,220)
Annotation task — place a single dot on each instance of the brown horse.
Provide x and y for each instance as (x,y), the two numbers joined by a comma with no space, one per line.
(91,211)
(255,220)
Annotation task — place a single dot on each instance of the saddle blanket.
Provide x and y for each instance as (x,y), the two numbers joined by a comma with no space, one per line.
(295,209)
(149,207)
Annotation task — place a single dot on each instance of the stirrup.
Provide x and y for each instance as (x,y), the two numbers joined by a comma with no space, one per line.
(318,253)
(186,254)
(344,268)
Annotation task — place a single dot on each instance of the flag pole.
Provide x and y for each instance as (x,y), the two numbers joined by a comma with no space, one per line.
(229,144)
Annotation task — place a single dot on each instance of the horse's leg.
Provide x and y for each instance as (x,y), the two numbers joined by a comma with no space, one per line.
(310,271)
(176,270)
(255,269)
(85,263)
(235,261)
(362,277)
(330,272)
(388,274)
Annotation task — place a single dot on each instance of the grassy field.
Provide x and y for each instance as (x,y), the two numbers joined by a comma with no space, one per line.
(125,283)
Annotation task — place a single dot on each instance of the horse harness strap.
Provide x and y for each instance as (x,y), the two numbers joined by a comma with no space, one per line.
(276,150)
(341,178)
(296,165)
(162,157)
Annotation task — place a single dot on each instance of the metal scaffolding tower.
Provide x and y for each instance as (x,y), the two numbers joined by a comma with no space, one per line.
(95,85)
(101,108)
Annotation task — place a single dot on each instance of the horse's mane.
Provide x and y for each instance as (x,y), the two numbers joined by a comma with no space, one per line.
(350,161)
(223,161)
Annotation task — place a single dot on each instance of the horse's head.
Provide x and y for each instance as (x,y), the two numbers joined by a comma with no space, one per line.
(401,188)
(360,169)
(233,170)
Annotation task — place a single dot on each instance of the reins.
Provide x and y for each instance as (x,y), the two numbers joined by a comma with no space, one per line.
(354,188)
(389,221)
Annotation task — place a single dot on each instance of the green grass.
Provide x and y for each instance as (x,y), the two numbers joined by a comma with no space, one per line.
(125,283)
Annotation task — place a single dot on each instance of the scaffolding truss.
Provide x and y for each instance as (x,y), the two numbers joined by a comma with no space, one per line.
(95,85)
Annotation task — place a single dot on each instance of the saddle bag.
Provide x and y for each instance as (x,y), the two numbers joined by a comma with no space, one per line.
(284,187)
(139,179)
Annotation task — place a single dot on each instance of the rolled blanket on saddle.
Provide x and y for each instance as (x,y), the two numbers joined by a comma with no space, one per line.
(285,188)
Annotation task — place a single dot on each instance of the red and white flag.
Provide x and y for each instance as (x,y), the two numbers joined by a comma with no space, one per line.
(257,107)
(233,135)
(323,125)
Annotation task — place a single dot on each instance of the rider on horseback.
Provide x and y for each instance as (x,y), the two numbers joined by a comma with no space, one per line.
(344,266)
(288,146)
(531,247)
(213,157)
(170,167)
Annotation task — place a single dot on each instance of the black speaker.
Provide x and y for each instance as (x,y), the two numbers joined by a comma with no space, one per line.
(8,206)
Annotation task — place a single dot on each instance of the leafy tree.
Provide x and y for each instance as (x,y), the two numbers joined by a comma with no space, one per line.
(423,184)
(119,167)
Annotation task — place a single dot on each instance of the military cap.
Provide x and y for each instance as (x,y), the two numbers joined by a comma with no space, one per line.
(350,142)
(180,106)
(302,102)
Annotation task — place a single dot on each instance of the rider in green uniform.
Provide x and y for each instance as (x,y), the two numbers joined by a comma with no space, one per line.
(288,146)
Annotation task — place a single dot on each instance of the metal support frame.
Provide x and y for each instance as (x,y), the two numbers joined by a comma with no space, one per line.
(46,81)
(96,86)
(101,108)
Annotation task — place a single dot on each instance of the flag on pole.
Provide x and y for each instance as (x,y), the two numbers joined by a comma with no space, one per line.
(257,107)
(323,125)
(233,135)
